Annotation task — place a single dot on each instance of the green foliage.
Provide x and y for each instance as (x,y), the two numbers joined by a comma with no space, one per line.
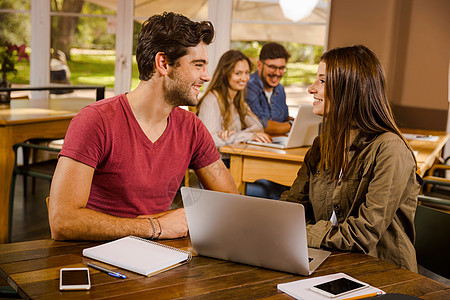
(10,55)
(303,52)
(15,28)
(251,49)
(300,74)
(92,69)
(23,73)
(92,33)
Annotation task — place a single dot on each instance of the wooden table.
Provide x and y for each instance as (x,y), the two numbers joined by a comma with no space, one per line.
(428,152)
(24,120)
(250,162)
(32,269)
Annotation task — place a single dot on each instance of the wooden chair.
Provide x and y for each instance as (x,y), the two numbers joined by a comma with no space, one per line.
(43,170)
(436,181)
(432,237)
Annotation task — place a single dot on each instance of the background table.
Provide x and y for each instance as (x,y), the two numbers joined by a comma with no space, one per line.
(249,162)
(428,152)
(25,120)
(32,269)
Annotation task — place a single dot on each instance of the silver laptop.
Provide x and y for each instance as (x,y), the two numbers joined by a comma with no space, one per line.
(254,231)
(304,129)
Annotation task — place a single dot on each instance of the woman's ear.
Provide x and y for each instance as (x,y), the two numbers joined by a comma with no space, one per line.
(161,63)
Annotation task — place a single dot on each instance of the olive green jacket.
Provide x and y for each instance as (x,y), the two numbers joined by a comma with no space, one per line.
(375,201)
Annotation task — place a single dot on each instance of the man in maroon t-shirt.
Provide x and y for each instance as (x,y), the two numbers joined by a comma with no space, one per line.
(123,158)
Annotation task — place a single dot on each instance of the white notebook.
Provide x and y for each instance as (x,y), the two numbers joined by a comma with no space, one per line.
(138,255)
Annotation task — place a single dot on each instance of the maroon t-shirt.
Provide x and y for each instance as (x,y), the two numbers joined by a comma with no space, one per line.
(134,176)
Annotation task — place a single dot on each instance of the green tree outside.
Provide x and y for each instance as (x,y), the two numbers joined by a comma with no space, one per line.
(15,28)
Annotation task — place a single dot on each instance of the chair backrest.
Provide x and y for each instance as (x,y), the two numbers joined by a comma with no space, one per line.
(433,240)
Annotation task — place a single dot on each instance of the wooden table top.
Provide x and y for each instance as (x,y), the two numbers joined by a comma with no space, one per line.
(294,154)
(427,151)
(24,111)
(32,268)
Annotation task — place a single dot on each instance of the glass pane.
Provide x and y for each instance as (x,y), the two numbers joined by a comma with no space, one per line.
(15,31)
(84,44)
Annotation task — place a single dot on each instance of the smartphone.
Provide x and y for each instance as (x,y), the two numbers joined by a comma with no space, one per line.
(338,287)
(74,279)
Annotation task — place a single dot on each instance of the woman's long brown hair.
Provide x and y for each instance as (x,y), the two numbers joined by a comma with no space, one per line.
(355,98)
(219,84)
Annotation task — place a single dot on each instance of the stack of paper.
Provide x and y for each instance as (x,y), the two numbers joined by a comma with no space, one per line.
(420,137)
(300,289)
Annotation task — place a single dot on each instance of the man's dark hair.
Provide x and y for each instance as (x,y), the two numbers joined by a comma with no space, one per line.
(272,51)
(172,34)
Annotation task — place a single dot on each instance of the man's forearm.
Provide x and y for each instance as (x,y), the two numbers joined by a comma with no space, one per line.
(216,177)
(87,224)
(274,127)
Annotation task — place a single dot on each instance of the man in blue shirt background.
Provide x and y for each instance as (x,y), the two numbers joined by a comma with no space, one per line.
(264,93)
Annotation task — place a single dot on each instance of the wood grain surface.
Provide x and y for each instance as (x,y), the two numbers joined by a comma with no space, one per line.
(32,268)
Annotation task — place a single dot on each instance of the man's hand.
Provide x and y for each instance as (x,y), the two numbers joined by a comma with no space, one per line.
(262,137)
(173,223)
(289,119)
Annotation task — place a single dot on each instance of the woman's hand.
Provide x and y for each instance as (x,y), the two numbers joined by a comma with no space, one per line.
(261,137)
(225,134)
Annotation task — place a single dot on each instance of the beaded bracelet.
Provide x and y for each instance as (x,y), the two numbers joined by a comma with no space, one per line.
(160,228)
(154,229)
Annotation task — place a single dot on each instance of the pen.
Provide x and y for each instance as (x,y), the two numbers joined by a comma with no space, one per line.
(365,296)
(109,272)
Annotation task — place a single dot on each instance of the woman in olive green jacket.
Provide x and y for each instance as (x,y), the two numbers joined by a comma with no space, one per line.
(358,182)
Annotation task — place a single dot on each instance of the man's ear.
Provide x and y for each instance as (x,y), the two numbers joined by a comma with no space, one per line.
(259,65)
(161,63)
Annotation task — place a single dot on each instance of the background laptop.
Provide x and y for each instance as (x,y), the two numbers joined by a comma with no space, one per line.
(255,231)
(304,129)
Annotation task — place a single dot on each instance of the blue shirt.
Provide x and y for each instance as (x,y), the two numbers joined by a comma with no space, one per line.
(277,110)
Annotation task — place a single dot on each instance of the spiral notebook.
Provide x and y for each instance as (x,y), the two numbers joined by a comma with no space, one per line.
(139,255)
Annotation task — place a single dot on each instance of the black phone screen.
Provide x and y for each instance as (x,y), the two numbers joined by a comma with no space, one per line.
(339,286)
(74,277)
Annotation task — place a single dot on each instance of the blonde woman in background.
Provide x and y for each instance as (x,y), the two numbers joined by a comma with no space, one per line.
(223,109)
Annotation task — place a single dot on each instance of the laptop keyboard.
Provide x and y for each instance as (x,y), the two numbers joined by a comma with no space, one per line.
(281,140)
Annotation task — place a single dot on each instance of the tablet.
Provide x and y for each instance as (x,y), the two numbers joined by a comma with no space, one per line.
(338,287)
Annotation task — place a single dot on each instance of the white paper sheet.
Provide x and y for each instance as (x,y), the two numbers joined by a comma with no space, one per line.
(300,289)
